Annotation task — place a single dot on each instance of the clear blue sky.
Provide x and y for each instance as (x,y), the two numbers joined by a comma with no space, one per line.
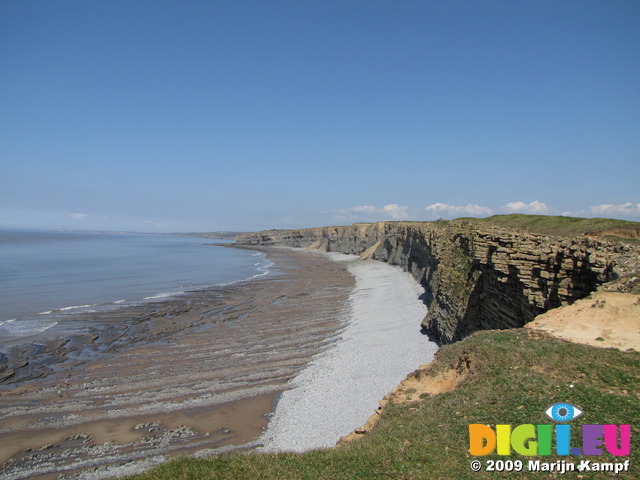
(242,115)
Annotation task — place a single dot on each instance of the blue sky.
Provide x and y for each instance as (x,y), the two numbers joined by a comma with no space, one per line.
(243,115)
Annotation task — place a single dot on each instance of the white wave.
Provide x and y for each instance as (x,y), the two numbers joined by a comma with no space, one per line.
(47,327)
(264,270)
(74,307)
(66,309)
(25,328)
(266,265)
(257,275)
(162,295)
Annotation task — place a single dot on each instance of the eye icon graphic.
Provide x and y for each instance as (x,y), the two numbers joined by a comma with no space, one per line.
(563,412)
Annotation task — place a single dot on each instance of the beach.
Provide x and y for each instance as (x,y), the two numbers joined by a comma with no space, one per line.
(380,345)
(190,374)
(202,374)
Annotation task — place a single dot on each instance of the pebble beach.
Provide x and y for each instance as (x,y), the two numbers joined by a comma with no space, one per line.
(380,345)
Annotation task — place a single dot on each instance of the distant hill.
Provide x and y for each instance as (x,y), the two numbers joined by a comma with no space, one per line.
(217,235)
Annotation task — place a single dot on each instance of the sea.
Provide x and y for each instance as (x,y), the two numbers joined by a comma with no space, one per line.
(46,276)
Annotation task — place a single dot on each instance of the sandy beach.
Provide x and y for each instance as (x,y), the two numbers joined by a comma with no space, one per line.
(194,374)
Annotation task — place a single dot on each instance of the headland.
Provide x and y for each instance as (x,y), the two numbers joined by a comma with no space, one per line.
(496,273)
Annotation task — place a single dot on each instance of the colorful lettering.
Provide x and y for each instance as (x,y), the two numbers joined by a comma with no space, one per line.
(611,440)
(592,438)
(482,440)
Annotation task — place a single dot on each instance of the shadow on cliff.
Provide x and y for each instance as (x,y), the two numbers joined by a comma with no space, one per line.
(496,303)
(427,298)
(432,338)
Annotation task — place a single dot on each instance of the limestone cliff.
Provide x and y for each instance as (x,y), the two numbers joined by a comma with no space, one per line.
(478,276)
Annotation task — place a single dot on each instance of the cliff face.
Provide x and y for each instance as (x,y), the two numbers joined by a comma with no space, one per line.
(476,277)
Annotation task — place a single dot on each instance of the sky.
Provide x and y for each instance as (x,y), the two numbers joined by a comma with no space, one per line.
(177,116)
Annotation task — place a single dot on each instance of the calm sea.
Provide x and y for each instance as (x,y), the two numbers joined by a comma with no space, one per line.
(46,275)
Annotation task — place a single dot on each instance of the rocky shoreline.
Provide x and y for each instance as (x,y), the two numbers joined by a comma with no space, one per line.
(193,374)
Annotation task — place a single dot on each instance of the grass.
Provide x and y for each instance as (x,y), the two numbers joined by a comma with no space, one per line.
(514,376)
(606,228)
(563,226)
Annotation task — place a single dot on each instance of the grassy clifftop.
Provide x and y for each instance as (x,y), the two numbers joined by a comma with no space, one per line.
(563,226)
(508,377)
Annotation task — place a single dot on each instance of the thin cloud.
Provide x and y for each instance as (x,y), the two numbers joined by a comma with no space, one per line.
(535,207)
(78,216)
(396,212)
(289,220)
(446,210)
(368,209)
(392,211)
(618,210)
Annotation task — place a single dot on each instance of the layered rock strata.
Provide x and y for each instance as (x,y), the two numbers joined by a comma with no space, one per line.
(476,277)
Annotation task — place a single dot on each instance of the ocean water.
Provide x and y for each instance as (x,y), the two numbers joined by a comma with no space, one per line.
(47,275)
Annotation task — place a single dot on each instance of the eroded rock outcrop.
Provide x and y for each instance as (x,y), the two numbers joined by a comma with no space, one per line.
(478,277)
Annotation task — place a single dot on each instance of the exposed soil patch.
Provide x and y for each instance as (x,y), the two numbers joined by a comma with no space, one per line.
(603,319)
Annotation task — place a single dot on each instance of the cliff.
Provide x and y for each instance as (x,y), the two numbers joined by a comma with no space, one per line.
(478,275)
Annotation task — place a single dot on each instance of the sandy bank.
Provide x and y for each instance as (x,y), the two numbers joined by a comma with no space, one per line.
(603,319)
(342,386)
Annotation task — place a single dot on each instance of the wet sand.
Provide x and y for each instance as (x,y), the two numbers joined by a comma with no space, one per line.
(199,373)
